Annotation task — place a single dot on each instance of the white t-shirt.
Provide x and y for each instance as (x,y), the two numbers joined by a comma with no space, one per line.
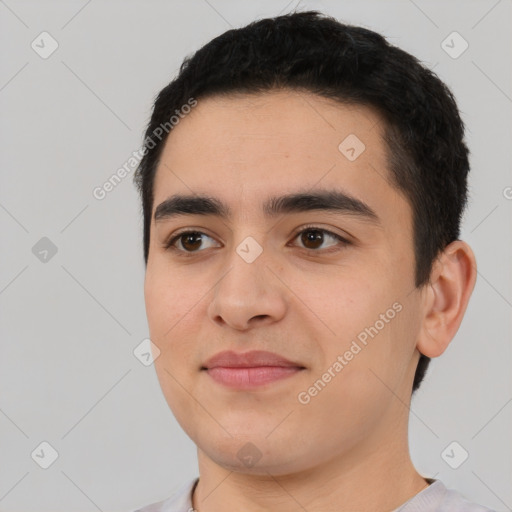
(435,498)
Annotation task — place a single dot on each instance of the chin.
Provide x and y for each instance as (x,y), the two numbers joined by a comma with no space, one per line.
(253,454)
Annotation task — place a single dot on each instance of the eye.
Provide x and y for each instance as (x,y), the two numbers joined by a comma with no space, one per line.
(313,236)
(190,241)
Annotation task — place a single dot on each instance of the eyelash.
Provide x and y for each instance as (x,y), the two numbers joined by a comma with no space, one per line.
(170,244)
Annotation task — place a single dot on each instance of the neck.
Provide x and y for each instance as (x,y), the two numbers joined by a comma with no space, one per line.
(372,476)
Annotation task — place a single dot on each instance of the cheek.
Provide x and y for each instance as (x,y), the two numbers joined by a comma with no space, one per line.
(362,316)
(175,310)
(170,310)
(341,303)
(160,306)
(168,298)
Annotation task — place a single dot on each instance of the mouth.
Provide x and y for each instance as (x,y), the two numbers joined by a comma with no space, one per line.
(251,377)
(249,370)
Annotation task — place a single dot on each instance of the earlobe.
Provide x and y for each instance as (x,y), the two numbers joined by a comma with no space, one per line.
(446,298)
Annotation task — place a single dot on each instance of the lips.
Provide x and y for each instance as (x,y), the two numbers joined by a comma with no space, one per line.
(252,359)
(249,370)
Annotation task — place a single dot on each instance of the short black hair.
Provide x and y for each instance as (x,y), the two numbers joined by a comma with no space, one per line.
(312,52)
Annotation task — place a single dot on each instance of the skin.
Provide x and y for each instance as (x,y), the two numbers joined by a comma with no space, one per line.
(347,449)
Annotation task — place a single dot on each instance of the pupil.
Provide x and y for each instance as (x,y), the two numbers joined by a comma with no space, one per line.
(316,236)
(190,238)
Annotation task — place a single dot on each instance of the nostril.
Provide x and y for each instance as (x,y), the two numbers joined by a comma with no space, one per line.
(262,317)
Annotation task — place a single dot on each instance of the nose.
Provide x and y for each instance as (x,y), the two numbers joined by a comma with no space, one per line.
(249,295)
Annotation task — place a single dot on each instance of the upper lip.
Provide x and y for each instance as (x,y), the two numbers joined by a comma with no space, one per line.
(251,359)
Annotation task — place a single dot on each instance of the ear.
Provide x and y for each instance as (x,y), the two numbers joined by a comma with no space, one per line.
(452,281)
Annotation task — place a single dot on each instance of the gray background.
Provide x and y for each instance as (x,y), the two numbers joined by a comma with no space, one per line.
(69,325)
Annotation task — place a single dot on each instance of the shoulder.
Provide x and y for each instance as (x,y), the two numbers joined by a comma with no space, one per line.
(454,501)
(438,498)
(181,501)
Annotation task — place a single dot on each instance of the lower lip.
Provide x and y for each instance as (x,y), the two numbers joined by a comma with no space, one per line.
(249,378)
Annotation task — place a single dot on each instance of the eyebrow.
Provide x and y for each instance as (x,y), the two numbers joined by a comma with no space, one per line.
(325,200)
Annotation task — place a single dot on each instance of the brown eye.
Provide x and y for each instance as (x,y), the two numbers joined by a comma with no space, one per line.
(190,241)
(312,238)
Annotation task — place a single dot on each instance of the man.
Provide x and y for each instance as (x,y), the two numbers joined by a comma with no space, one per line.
(302,187)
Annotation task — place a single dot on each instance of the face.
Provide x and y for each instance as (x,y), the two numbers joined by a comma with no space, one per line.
(327,285)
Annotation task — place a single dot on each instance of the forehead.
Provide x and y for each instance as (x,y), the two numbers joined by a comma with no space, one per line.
(246,148)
